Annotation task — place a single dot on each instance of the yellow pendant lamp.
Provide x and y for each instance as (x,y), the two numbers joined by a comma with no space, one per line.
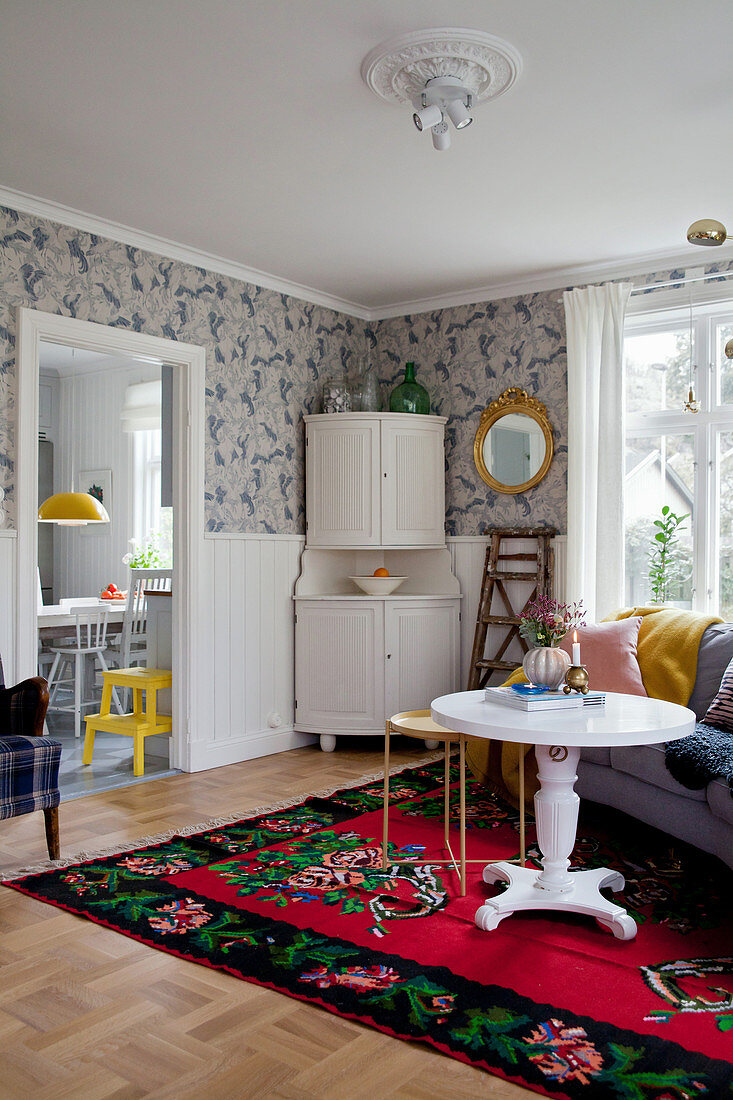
(72,510)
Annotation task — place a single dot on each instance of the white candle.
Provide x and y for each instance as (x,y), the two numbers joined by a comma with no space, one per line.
(576,648)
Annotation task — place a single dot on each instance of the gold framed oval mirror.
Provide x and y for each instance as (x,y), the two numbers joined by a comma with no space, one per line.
(513,447)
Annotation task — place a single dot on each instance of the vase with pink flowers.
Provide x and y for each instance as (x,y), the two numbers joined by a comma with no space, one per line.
(543,623)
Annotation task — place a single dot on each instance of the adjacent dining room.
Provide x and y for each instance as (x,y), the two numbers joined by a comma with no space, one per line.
(105,564)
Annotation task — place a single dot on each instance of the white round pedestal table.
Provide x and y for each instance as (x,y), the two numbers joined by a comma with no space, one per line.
(558,737)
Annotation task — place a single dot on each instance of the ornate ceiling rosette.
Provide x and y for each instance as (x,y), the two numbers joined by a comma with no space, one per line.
(399,69)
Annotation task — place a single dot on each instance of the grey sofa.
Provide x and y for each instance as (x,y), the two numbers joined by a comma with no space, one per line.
(636,780)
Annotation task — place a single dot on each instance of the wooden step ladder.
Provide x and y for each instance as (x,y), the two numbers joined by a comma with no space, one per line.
(540,580)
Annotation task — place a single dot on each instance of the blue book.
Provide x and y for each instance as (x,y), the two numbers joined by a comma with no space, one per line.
(544,700)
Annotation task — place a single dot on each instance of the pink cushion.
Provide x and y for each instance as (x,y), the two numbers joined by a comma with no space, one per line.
(608,651)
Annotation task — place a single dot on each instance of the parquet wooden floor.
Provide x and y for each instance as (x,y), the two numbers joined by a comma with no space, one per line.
(88,1013)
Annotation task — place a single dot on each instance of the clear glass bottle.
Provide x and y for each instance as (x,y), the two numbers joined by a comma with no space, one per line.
(409,396)
(371,394)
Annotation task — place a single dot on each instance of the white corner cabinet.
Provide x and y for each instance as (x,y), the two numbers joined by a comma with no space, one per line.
(375,479)
(375,497)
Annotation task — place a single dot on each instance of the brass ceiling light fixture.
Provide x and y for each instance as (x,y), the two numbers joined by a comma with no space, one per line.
(707,232)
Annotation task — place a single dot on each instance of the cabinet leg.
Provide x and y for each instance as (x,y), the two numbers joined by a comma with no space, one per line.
(328,742)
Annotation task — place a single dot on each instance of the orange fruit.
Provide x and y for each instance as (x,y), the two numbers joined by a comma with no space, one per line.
(380,573)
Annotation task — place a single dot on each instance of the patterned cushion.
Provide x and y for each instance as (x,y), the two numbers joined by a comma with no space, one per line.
(29,774)
(720,711)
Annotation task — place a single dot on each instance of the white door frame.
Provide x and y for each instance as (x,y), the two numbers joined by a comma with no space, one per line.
(189,362)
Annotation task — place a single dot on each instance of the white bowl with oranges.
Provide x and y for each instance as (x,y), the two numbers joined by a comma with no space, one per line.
(379,584)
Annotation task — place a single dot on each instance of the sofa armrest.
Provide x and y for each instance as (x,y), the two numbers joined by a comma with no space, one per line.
(23,707)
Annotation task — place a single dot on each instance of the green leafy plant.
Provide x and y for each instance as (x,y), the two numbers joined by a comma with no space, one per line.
(147,556)
(666,570)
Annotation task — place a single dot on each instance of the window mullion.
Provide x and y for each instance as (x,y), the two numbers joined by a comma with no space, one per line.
(704,562)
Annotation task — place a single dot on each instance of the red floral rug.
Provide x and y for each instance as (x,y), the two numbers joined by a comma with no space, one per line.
(297,900)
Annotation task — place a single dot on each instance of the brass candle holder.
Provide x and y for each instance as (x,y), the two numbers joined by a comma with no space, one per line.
(576,679)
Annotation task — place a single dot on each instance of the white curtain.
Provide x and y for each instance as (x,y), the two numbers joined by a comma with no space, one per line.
(594,318)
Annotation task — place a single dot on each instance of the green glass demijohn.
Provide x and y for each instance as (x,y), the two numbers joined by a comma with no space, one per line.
(409,396)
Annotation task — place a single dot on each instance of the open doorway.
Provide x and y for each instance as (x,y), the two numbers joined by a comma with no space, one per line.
(186,613)
(105,428)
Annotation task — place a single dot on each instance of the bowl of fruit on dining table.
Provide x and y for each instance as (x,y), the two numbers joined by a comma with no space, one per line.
(380,583)
(112,592)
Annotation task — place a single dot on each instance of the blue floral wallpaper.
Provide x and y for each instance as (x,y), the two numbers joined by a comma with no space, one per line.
(266,357)
(265,354)
(466,357)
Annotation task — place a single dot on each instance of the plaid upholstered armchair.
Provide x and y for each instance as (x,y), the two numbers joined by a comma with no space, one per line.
(29,762)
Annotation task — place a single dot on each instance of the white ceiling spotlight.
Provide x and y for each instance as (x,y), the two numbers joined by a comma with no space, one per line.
(443,73)
(443,95)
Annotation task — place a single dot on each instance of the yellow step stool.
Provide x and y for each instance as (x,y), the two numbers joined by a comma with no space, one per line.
(144,720)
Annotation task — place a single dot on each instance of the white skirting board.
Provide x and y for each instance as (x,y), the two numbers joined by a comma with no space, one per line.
(255,744)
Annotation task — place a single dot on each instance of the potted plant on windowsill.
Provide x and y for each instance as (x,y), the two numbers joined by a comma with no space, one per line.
(666,571)
(543,623)
(147,556)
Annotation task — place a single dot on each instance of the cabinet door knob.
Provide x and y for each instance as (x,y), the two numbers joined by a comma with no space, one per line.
(389,655)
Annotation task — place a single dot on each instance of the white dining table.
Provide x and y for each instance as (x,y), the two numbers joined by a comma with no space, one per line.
(59,618)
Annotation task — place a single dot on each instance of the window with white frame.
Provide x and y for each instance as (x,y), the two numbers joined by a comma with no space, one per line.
(141,417)
(146,466)
(680,459)
(149,518)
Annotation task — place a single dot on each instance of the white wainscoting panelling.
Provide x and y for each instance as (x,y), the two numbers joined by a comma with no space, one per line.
(8,558)
(247,685)
(467,560)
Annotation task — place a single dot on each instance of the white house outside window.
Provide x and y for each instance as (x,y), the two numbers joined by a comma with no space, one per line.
(678,458)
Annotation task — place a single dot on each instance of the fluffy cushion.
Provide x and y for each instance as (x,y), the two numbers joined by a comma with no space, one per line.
(720,711)
(608,651)
(698,759)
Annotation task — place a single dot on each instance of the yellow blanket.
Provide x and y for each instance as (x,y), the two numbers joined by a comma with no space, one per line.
(669,641)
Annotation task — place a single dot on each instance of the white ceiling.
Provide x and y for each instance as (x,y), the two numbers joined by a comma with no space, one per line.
(243,129)
(66,361)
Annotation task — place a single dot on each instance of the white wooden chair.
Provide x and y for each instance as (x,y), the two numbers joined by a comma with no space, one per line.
(90,642)
(131,647)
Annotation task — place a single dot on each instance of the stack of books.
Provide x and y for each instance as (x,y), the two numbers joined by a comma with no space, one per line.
(547,700)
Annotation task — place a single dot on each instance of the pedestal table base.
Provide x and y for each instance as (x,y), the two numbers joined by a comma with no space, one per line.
(581,896)
(556,886)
